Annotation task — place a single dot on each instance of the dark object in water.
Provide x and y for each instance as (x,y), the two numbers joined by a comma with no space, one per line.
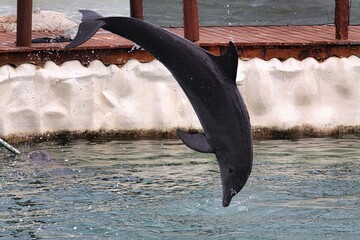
(208,81)
(40,157)
(51,40)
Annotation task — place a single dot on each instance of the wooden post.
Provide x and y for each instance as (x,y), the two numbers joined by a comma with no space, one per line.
(136,9)
(23,26)
(342,19)
(191,19)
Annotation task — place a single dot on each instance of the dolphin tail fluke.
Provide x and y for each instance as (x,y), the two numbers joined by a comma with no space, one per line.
(88,15)
(91,23)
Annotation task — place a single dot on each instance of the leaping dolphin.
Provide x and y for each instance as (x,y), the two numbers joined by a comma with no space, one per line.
(208,81)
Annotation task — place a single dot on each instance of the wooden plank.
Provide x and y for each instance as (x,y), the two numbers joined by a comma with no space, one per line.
(266,42)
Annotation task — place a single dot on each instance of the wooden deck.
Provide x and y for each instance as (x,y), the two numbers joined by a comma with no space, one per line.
(266,42)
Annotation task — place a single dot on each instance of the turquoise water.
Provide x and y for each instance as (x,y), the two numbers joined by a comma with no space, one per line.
(305,189)
(212,12)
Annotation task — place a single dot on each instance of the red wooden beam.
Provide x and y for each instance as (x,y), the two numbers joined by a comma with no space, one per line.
(136,9)
(191,19)
(23,26)
(342,19)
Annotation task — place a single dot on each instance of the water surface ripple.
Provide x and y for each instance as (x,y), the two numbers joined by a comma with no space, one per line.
(305,189)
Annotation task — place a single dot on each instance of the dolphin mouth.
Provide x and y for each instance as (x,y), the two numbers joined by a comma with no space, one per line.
(226,201)
(227,197)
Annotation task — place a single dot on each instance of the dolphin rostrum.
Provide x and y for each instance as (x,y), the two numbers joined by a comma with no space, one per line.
(208,81)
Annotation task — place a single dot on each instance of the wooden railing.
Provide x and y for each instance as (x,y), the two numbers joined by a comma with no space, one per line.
(23,26)
(191,16)
(342,19)
(190,13)
(136,9)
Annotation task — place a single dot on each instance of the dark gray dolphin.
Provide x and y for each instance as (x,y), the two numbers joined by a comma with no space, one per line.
(40,157)
(43,163)
(207,80)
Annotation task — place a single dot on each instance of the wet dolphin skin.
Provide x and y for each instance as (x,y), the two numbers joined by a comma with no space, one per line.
(208,81)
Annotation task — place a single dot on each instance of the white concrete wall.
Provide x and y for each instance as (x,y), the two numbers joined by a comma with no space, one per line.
(145,96)
(295,93)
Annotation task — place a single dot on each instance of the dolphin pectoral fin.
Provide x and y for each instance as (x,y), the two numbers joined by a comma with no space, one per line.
(228,62)
(90,25)
(197,142)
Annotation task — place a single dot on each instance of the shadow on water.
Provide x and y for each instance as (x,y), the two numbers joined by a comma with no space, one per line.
(162,190)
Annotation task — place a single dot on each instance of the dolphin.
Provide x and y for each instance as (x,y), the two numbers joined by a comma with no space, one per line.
(208,81)
(40,157)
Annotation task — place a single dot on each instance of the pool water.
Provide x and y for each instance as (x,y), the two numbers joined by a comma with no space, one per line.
(159,189)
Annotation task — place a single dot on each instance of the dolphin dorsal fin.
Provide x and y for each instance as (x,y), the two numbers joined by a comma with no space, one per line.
(197,141)
(228,62)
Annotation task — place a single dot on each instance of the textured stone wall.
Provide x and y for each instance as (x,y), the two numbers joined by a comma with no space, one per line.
(295,93)
(42,21)
(144,96)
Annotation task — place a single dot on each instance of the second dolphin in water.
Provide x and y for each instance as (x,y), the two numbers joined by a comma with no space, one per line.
(208,81)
